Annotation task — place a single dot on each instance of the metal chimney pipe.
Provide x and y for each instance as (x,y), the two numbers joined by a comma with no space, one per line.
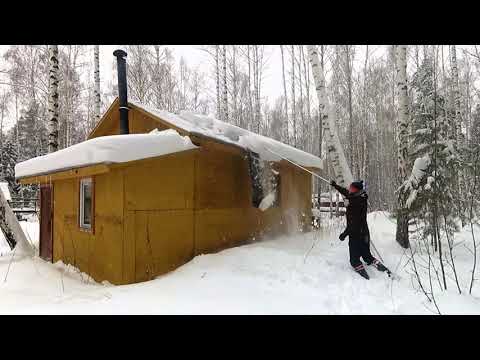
(122,89)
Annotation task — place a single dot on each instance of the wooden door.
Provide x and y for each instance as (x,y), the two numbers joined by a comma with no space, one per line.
(46,222)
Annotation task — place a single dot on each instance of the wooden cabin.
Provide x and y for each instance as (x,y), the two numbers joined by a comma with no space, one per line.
(149,190)
(127,221)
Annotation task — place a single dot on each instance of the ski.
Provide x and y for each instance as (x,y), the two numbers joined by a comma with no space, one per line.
(390,274)
(382,268)
(362,272)
(393,276)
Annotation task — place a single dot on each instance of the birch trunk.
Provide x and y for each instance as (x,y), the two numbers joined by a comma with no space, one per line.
(217,76)
(294,115)
(343,175)
(403,113)
(445,93)
(234,86)
(285,96)
(320,117)
(457,125)
(158,96)
(417,61)
(320,129)
(96,75)
(306,73)
(459,138)
(53,99)
(350,108)
(300,104)
(259,86)
(19,148)
(402,139)
(364,146)
(3,104)
(12,230)
(256,80)
(225,93)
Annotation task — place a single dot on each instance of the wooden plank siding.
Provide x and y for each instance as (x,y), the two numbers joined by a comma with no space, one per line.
(159,207)
(139,122)
(99,253)
(67,174)
(154,215)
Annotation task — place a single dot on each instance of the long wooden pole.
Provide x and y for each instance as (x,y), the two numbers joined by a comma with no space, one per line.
(301,167)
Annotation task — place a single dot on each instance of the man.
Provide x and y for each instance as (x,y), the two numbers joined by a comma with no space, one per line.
(357,228)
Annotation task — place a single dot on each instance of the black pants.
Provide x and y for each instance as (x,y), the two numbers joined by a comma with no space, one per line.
(359,247)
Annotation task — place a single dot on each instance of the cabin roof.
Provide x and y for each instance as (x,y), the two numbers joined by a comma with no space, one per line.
(106,150)
(205,126)
(123,148)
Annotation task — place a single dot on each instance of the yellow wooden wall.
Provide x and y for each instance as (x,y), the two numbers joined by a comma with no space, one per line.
(138,123)
(159,216)
(224,215)
(98,253)
(296,198)
(154,215)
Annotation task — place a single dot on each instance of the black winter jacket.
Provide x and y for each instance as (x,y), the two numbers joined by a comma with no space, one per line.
(357,227)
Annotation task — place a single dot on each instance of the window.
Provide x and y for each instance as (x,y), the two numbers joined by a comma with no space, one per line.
(86,204)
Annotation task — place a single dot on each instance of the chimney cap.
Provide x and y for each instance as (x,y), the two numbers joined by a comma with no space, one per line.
(119,53)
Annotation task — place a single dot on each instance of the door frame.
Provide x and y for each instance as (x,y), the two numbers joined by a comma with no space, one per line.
(51,223)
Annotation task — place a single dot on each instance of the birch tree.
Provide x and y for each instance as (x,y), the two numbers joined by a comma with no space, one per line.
(4,99)
(285,100)
(217,78)
(225,88)
(348,77)
(96,75)
(53,99)
(294,113)
(343,175)
(139,73)
(457,126)
(402,140)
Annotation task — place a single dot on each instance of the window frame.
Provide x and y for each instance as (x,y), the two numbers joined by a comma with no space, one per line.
(81,209)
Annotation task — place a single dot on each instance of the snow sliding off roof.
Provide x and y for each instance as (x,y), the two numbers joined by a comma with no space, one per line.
(215,129)
(124,148)
(106,150)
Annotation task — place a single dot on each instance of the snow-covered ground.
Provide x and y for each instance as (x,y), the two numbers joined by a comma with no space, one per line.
(303,274)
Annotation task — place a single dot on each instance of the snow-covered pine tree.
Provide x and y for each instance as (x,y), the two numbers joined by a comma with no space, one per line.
(472,203)
(9,159)
(428,190)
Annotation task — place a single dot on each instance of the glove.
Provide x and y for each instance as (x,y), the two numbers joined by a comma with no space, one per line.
(342,236)
(333,183)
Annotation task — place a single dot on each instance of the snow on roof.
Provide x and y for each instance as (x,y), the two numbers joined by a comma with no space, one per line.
(4,189)
(219,130)
(106,150)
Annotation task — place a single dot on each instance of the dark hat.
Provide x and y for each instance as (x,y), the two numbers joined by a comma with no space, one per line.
(358,184)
